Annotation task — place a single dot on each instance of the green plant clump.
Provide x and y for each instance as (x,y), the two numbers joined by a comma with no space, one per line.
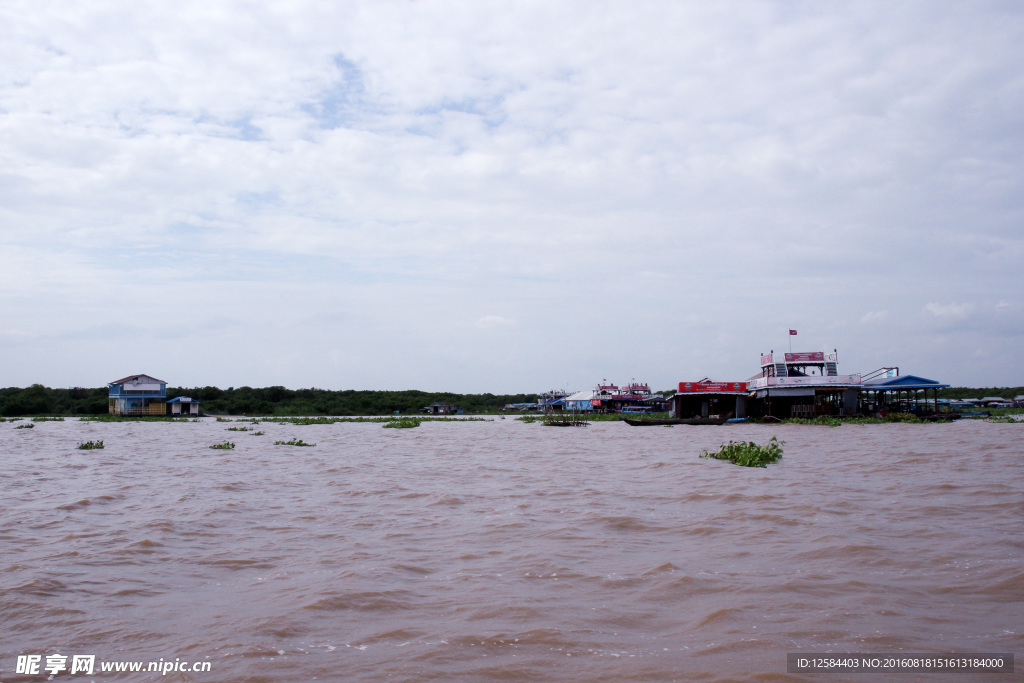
(238,429)
(90,445)
(25,426)
(748,454)
(293,442)
(47,419)
(226,446)
(402,423)
(825,420)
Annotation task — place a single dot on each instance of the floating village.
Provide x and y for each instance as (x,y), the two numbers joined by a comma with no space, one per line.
(789,385)
(804,384)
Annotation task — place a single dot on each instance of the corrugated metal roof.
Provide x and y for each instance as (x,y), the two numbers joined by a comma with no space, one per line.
(131,377)
(903,382)
(582,396)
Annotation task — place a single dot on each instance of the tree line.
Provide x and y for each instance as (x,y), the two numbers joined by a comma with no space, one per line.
(276,400)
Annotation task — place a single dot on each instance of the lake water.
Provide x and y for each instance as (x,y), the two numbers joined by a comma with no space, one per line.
(502,550)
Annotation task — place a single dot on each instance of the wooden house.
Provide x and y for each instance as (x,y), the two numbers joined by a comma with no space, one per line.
(137,395)
(182,405)
(441,408)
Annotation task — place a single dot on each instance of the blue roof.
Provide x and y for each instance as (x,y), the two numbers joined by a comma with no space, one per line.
(903,382)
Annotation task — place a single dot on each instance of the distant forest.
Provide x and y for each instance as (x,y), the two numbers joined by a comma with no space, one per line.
(40,400)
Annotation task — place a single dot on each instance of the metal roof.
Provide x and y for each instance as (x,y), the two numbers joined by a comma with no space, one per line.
(582,396)
(131,377)
(902,382)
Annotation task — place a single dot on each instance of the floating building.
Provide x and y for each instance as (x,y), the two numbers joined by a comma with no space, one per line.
(806,384)
(441,408)
(145,395)
(705,399)
(635,397)
(137,395)
(182,405)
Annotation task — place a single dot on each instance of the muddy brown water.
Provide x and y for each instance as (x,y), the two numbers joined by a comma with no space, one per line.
(502,550)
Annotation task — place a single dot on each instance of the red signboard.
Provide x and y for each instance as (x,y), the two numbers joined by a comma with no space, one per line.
(809,357)
(596,402)
(713,387)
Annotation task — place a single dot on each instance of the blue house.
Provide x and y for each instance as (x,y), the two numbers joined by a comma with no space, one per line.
(137,395)
(182,405)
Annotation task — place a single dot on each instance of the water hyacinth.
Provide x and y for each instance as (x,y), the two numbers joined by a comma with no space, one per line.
(748,454)
(403,423)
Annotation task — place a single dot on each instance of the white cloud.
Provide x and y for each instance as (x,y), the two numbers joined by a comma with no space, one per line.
(874,317)
(951,310)
(493,321)
(658,171)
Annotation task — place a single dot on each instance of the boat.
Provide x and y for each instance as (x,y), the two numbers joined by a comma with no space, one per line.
(704,420)
(654,422)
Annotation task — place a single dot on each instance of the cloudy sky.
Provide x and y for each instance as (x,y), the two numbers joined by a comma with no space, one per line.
(508,197)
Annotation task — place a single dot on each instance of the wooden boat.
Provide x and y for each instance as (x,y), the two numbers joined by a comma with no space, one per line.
(655,422)
(704,421)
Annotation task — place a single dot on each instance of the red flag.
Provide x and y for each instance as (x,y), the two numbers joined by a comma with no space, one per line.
(792,331)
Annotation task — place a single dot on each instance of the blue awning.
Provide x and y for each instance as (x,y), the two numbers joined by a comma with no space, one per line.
(902,383)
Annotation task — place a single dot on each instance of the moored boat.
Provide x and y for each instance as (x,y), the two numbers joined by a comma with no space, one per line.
(654,422)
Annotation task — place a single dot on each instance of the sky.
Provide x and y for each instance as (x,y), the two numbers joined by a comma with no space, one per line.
(508,197)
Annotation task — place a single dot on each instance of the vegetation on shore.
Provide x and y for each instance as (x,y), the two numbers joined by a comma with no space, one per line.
(276,400)
(748,454)
(981,392)
(1003,419)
